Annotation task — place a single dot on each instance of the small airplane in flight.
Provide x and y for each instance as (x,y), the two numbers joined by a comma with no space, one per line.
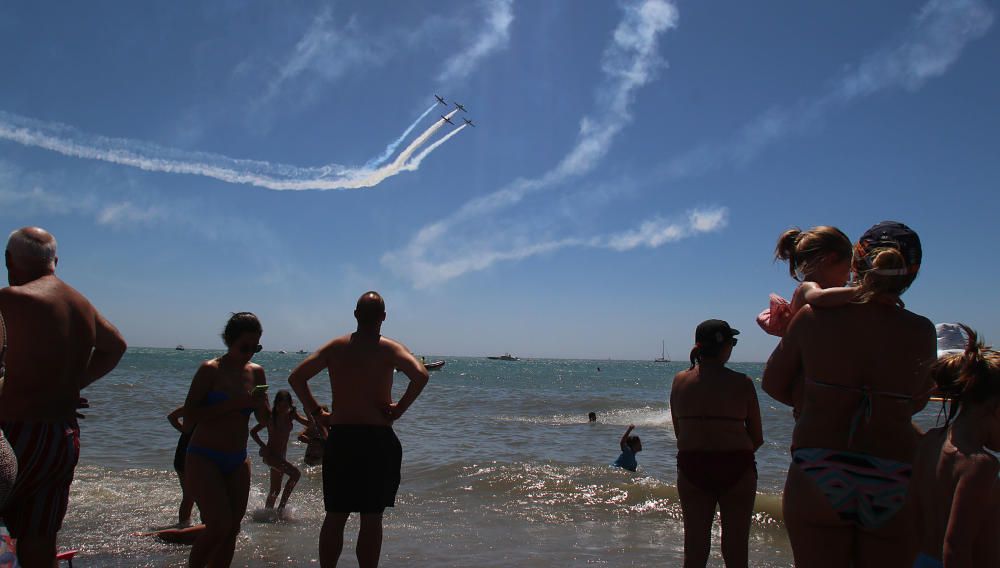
(440,100)
(446,119)
(459,106)
(469,122)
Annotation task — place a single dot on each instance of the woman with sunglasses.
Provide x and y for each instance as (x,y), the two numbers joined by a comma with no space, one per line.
(717,424)
(224,393)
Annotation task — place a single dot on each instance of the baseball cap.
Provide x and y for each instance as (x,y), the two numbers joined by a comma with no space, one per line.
(713,332)
(892,234)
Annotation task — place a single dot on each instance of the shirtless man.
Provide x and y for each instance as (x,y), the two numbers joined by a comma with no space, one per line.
(361,464)
(58,345)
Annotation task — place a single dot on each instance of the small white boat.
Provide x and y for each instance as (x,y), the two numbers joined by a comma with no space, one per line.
(302,352)
(282,352)
(179,348)
(504,357)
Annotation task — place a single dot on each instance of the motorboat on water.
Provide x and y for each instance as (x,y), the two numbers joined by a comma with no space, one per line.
(434,365)
(504,357)
(179,348)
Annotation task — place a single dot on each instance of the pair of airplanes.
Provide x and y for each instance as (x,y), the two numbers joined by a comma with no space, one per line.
(457,106)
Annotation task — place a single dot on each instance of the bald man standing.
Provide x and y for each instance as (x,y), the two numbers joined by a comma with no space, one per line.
(362,458)
(57,345)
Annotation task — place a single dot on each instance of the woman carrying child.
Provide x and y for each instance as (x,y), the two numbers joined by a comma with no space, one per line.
(717,424)
(954,491)
(279,428)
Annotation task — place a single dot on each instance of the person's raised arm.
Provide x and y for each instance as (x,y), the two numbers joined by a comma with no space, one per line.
(624,440)
(784,366)
(255,434)
(407,364)
(813,295)
(175,419)
(970,512)
(109,346)
(303,420)
(302,374)
(754,426)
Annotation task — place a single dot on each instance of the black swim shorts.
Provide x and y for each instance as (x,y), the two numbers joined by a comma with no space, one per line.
(361,466)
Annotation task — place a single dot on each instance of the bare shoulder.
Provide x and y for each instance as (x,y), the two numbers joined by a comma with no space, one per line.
(682,377)
(256,369)
(392,345)
(981,470)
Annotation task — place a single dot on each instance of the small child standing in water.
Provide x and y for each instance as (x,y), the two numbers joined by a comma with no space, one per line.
(631,445)
(820,259)
(954,490)
(274,451)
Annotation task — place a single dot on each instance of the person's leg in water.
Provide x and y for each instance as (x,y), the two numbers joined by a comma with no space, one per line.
(208,488)
(369,545)
(736,509)
(698,508)
(275,490)
(238,487)
(331,539)
(293,474)
(187,503)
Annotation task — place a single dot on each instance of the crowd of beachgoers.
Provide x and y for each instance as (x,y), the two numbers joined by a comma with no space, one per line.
(865,487)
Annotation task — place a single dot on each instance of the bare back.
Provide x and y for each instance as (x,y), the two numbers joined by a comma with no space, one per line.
(361,370)
(715,409)
(873,347)
(52,333)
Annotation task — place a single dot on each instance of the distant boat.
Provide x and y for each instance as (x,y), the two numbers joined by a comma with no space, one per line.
(179,348)
(282,352)
(302,352)
(504,357)
(434,365)
(663,358)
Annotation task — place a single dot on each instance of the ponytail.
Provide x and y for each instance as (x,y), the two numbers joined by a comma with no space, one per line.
(970,377)
(785,249)
(695,356)
(882,271)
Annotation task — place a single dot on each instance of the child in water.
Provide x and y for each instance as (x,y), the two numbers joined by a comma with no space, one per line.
(631,445)
(954,490)
(273,452)
(820,259)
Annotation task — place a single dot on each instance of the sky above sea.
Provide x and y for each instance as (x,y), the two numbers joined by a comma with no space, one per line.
(631,165)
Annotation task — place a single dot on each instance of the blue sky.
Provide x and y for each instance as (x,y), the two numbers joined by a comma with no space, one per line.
(632,164)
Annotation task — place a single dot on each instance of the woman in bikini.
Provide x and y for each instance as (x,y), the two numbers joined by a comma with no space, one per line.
(224,393)
(864,371)
(718,428)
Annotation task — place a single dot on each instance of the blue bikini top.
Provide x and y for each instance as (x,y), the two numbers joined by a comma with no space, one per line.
(215,397)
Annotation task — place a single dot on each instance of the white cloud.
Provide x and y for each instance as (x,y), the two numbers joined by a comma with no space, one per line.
(492,37)
(126,213)
(654,233)
(629,62)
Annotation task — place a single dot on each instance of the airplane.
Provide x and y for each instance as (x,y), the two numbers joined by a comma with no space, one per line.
(459,106)
(469,122)
(440,100)
(445,118)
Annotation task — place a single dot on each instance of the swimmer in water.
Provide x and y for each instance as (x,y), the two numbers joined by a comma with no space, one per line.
(630,445)
(592,417)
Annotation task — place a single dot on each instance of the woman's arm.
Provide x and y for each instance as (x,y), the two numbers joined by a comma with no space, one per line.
(784,366)
(301,419)
(175,418)
(673,409)
(624,440)
(255,434)
(754,426)
(259,397)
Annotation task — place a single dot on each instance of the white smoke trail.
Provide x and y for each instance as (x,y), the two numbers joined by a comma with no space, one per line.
(69,141)
(391,148)
(415,162)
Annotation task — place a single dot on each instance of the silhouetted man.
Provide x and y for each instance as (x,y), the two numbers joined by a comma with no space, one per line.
(362,459)
(58,344)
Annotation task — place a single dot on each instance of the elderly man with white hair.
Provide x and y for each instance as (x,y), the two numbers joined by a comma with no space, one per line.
(57,344)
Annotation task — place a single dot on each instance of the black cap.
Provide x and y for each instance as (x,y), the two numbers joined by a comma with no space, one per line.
(713,332)
(892,234)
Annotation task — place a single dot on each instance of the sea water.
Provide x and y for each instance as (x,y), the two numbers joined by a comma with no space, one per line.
(500,468)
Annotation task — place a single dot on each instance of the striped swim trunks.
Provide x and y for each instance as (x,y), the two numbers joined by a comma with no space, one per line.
(47,454)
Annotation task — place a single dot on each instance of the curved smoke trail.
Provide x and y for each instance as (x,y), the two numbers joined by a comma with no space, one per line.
(375,162)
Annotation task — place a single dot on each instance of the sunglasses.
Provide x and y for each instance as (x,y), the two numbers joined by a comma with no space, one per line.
(247,349)
(734,342)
